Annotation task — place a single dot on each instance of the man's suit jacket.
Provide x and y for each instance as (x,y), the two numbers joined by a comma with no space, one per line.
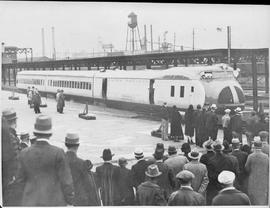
(138,172)
(46,176)
(81,182)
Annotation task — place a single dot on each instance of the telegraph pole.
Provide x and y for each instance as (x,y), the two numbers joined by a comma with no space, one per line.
(151,32)
(229,43)
(193,35)
(174,39)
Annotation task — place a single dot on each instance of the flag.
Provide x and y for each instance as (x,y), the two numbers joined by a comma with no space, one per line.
(219,29)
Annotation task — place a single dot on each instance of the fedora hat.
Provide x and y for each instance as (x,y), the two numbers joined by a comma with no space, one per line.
(138,153)
(227,111)
(9,114)
(257,142)
(153,171)
(208,145)
(72,138)
(227,147)
(238,110)
(24,135)
(172,150)
(43,125)
(217,146)
(107,154)
(194,154)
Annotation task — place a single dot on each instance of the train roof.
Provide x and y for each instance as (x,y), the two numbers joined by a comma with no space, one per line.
(191,72)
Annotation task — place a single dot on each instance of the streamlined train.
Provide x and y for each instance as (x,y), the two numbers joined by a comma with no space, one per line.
(179,86)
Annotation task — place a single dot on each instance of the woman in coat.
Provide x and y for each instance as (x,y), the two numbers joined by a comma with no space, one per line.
(176,128)
(189,123)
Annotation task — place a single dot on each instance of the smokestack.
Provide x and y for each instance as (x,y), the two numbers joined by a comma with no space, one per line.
(43,42)
(151,33)
(53,45)
(145,38)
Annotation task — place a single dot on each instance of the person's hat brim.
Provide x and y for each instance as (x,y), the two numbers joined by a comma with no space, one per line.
(194,158)
(151,176)
(42,132)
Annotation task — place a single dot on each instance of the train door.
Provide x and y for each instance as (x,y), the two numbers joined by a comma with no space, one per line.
(151,91)
(104,88)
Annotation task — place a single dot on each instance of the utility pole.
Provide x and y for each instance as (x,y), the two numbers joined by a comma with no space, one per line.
(193,35)
(53,45)
(151,38)
(174,37)
(43,42)
(159,43)
(229,43)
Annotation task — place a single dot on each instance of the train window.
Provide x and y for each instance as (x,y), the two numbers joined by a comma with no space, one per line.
(73,85)
(81,87)
(192,89)
(172,91)
(182,91)
(89,86)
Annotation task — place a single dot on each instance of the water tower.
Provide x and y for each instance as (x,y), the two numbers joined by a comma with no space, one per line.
(133,34)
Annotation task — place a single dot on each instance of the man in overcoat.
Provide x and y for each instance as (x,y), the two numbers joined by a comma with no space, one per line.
(10,152)
(229,195)
(108,180)
(257,167)
(125,184)
(138,169)
(186,196)
(200,182)
(36,101)
(79,172)
(44,171)
(149,192)
(236,123)
(61,102)
(264,135)
(211,124)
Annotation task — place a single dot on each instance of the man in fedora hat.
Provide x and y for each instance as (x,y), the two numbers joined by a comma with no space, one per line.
(242,159)
(108,180)
(61,101)
(236,124)
(44,170)
(175,162)
(211,123)
(125,183)
(207,145)
(10,151)
(149,192)
(139,168)
(186,196)
(36,101)
(264,135)
(229,195)
(216,165)
(257,167)
(200,182)
(227,134)
(167,180)
(79,172)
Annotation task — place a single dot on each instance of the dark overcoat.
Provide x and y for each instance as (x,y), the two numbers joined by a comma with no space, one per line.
(231,197)
(166,180)
(108,182)
(186,197)
(199,122)
(138,172)
(83,188)
(150,194)
(211,125)
(125,187)
(189,123)
(242,158)
(176,127)
(46,174)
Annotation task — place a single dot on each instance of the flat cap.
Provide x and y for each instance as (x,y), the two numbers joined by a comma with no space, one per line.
(185,175)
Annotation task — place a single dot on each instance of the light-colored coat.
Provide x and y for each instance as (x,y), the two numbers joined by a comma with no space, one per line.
(200,182)
(257,166)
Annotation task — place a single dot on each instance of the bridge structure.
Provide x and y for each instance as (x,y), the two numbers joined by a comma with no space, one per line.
(176,58)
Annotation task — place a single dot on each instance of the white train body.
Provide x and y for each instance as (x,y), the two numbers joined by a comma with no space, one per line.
(180,86)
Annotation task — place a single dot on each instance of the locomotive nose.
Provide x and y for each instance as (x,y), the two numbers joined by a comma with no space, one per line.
(231,95)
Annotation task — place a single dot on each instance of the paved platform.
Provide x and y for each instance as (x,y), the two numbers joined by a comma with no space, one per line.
(119,130)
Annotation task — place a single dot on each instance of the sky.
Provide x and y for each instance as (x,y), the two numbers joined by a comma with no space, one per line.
(85,26)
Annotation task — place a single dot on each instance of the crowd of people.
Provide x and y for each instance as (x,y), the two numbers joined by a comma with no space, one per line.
(203,123)
(36,173)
